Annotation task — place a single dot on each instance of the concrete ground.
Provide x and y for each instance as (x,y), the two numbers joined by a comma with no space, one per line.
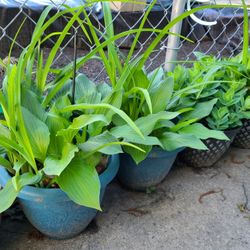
(192,209)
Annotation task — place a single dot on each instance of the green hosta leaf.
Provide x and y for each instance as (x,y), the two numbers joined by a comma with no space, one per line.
(18,165)
(4,131)
(200,111)
(81,122)
(105,143)
(148,140)
(184,101)
(202,132)
(81,183)
(182,124)
(144,93)
(2,150)
(102,143)
(55,166)
(164,124)
(59,104)
(139,79)
(86,90)
(12,146)
(122,114)
(104,89)
(38,134)
(137,155)
(92,160)
(145,124)
(30,101)
(172,141)
(155,77)
(56,123)
(7,196)
(114,99)
(84,120)
(160,96)
(64,91)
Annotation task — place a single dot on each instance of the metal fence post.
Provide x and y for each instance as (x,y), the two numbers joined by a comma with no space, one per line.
(173,41)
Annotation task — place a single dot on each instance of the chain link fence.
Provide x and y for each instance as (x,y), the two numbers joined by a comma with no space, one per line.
(222,39)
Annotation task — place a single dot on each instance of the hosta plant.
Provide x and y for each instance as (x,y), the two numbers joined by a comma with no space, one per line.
(144,98)
(51,147)
(162,128)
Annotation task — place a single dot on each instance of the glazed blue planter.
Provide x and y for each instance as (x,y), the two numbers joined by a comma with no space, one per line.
(52,212)
(147,173)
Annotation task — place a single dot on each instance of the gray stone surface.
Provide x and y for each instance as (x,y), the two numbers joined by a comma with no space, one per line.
(175,216)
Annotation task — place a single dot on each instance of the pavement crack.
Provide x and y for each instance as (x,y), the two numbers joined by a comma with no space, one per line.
(246,197)
(137,211)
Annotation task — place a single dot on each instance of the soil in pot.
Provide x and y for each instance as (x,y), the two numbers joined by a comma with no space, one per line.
(52,212)
(207,158)
(242,139)
(149,173)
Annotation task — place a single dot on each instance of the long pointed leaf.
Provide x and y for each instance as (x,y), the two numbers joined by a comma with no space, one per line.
(123,115)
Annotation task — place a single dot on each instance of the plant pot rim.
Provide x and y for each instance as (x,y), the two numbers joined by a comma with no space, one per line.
(40,194)
(158,152)
(232,129)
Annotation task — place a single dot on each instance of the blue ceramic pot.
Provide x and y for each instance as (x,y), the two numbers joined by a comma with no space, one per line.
(52,212)
(149,172)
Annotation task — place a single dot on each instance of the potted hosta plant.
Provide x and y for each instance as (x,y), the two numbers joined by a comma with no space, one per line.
(144,98)
(218,82)
(56,161)
(165,135)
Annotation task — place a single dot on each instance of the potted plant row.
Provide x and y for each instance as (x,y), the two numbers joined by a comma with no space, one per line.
(61,137)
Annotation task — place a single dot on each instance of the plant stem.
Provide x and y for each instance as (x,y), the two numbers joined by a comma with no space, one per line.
(74,72)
